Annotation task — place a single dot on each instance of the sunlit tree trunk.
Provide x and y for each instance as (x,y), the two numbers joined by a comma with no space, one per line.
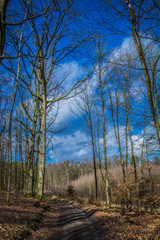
(97,147)
(16,164)
(30,161)
(37,157)
(99,55)
(93,154)
(21,159)
(31,152)
(139,47)
(41,169)
(135,167)
(116,129)
(26,157)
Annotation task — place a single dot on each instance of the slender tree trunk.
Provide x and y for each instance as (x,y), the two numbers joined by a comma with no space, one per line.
(127,106)
(1,165)
(99,152)
(2,156)
(15,167)
(135,168)
(93,154)
(149,168)
(41,170)
(37,157)
(142,174)
(104,134)
(10,144)
(117,131)
(26,174)
(30,159)
(126,137)
(21,160)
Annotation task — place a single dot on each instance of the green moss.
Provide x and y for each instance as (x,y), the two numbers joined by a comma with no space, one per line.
(106,211)
(22,235)
(29,194)
(39,197)
(32,225)
(116,211)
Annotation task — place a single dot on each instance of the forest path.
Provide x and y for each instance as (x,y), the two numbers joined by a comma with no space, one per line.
(76,223)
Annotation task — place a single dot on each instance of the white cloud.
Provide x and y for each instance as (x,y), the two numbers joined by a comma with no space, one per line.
(71,147)
(70,72)
(68,146)
(80,153)
(148,135)
(121,54)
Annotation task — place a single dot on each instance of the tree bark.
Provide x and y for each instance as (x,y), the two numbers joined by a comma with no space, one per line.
(93,153)
(41,170)
(31,152)
(104,131)
(116,131)
(140,50)
(3,8)
(10,144)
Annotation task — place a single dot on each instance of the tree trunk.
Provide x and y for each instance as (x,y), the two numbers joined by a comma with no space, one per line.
(37,158)
(3,8)
(93,154)
(15,167)
(117,131)
(41,169)
(104,134)
(135,168)
(31,156)
(10,144)
(139,48)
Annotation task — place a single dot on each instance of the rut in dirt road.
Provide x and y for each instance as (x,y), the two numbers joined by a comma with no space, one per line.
(76,223)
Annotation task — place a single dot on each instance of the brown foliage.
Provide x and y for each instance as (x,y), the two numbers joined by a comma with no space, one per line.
(25,219)
(69,191)
(94,202)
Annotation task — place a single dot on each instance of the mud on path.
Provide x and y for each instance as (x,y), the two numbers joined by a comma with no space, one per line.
(75,223)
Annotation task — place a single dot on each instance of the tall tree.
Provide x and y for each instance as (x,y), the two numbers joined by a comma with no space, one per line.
(142,18)
(85,104)
(99,72)
(46,46)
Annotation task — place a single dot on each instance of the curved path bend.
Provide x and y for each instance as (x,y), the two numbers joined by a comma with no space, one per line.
(75,222)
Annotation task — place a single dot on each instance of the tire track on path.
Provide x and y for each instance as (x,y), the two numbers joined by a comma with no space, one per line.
(75,223)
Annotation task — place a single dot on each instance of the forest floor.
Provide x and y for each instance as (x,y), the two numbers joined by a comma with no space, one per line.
(27,218)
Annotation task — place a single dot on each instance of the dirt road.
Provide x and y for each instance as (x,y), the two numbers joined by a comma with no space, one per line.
(76,224)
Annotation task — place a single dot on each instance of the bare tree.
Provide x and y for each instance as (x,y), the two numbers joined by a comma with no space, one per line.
(48,50)
(142,18)
(99,72)
(85,104)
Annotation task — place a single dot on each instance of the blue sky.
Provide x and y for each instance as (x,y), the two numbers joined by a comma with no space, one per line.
(72,143)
